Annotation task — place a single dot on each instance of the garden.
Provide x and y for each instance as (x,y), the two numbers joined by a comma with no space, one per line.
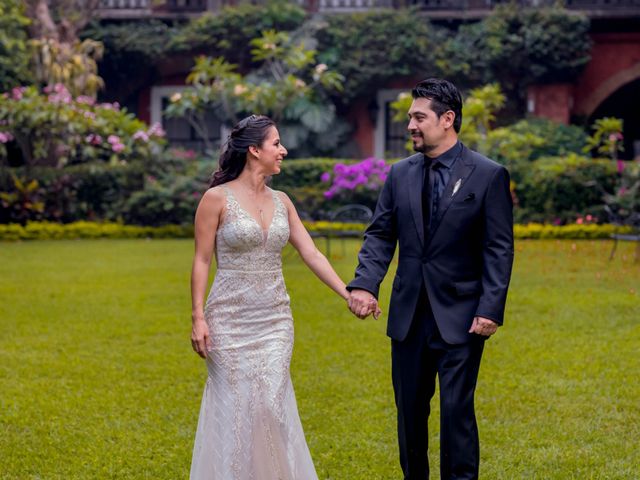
(97,377)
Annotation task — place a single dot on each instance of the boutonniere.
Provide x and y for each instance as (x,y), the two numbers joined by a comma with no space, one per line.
(456,187)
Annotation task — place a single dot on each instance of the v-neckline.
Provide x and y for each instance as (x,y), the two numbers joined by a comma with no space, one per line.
(265,231)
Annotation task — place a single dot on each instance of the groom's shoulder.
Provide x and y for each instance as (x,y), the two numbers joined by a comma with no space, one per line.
(485,163)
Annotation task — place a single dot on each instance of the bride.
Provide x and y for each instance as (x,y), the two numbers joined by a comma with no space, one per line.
(249,426)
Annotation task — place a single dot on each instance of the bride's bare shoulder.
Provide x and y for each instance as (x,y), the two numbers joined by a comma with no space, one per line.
(213,198)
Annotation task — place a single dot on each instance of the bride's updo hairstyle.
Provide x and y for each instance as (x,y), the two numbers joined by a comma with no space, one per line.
(249,131)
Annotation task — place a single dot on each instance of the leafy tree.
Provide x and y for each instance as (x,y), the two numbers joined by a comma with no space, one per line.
(359,46)
(132,51)
(228,32)
(14,55)
(58,54)
(518,47)
(288,86)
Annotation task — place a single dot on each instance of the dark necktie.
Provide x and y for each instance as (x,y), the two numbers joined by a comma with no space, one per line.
(427,204)
(438,187)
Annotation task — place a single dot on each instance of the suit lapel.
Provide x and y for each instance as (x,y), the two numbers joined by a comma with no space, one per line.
(416,172)
(460,173)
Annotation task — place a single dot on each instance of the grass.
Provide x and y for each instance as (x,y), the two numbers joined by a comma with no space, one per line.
(97,377)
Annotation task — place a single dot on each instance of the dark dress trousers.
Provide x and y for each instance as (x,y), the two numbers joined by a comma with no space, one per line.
(453,264)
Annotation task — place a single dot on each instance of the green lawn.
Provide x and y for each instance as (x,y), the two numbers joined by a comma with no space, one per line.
(98,380)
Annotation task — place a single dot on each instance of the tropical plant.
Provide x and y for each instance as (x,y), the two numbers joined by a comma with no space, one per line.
(288,85)
(59,56)
(606,138)
(72,64)
(23,203)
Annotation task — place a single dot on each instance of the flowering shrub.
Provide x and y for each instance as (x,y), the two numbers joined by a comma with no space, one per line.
(369,174)
(51,127)
(586,219)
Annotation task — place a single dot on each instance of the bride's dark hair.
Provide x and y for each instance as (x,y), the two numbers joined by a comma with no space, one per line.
(249,131)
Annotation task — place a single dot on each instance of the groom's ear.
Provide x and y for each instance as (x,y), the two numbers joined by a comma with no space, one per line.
(447,119)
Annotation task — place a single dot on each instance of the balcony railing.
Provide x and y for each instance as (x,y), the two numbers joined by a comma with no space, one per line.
(581,5)
(336,6)
(436,8)
(186,5)
(151,8)
(125,8)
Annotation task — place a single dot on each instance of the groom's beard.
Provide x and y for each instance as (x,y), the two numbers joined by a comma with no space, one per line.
(423,148)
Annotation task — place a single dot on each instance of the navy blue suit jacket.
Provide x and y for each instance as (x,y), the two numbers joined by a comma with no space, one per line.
(464,264)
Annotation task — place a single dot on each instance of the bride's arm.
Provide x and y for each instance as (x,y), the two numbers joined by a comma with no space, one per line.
(312,257)
(206,225)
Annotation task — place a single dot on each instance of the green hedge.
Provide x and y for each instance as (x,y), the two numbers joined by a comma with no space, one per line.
(78,230)
(566,232)
(560,189)
(548,190)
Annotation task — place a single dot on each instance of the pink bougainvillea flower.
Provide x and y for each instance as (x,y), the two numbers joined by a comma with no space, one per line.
(117,147)
(369,173)
(93,139)
(5,137)
(113,139)
(156,130)
(85,99)
(17,92)
(141,135)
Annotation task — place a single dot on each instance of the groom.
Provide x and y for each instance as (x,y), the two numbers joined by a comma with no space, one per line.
(449,209)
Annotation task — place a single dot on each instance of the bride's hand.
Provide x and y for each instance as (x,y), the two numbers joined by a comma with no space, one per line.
(200,339)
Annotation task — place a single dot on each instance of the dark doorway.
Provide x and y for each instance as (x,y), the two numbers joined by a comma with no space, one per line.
(623,103)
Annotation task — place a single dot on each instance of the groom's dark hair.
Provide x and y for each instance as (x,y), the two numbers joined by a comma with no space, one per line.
(443,95)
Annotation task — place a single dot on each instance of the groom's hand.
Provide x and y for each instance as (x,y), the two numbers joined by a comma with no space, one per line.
(363,303)
(483,326)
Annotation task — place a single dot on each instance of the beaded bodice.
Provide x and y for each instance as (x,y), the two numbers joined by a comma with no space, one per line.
(241,242)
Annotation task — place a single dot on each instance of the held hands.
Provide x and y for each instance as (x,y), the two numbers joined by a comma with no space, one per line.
(363,303)
(483,326)
(200,339)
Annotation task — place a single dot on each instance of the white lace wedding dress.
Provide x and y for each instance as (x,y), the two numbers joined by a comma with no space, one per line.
(249,428)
